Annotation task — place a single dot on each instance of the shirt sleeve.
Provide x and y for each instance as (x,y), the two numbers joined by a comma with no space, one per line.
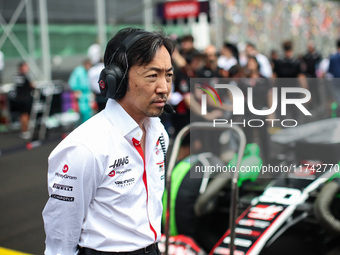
(72,182)
(266,69)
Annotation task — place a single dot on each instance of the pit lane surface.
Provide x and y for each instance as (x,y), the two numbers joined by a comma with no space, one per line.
(23,186)
(5,251)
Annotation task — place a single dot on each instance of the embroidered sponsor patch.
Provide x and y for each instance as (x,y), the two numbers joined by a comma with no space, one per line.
(62,198)
(62,187)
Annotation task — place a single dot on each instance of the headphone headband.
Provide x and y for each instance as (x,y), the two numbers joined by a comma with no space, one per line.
(131,39)
(127,43)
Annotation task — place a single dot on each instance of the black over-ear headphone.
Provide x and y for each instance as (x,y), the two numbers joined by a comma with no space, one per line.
(112,76)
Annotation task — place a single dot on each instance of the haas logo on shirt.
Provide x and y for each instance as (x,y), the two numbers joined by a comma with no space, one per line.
(120,162)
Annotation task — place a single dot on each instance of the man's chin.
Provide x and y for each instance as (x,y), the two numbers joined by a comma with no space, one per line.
(156,112)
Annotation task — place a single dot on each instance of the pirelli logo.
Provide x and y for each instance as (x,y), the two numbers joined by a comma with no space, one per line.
(62,187)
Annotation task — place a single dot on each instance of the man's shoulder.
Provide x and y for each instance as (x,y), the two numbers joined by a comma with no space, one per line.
(288,63)
(91,133)
(261,57)
(157,126)
(334,57)
(156,123)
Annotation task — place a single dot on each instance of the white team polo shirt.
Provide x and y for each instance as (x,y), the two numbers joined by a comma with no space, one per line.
(105,192)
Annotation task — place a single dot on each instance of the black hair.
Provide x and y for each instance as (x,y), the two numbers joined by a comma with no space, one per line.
(338,43)
(233,48)
(140,53)
(287,45)
(189,38)
(234,70)
(256,61)
(21,64)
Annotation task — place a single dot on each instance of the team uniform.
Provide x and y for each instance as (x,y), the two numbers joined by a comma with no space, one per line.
(105,192)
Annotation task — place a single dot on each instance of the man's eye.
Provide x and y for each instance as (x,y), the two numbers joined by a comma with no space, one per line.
(152,76)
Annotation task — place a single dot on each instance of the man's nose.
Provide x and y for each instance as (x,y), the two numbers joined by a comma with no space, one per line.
(163,86)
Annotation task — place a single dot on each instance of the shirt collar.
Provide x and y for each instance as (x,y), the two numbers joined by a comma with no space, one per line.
(124,123)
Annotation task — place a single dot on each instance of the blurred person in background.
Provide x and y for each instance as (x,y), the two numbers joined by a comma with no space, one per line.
(334,71)
(262,99)
(289,67)
(187,49)
(311,60)
(94,53)
(227,58)
(265,66)
(310,64)
(22,99)
(93,74)
(274,56)
(322,70)
(186,68)
(80,84)
(210,68)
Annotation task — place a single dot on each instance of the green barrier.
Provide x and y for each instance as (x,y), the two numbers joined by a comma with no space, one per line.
(181,169)
(334,107)
(250,165)
(67,40)
(251,159)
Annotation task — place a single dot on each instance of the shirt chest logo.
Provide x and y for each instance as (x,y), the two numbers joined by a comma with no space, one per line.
(120,162)
(157,148)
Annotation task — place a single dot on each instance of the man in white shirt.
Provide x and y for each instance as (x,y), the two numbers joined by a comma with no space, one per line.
(93,74)
(94,53)
(106,179)
(227,59)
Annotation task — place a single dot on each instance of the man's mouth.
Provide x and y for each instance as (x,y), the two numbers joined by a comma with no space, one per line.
(159,102)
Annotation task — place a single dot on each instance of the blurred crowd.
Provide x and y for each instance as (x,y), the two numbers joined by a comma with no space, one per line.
(245,66)
(243,63)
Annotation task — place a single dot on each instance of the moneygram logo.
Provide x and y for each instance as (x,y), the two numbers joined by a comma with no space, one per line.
(239,101)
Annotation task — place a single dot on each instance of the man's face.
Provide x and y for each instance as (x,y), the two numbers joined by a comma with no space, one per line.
(210,53)
(149,87)
(250,51)
(24,68)
(187,45)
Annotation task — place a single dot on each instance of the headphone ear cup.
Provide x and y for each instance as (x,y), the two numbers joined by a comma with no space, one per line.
(109,81)
(102,83)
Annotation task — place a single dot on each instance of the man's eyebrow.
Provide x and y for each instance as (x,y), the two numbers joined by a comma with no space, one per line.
(158,69)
